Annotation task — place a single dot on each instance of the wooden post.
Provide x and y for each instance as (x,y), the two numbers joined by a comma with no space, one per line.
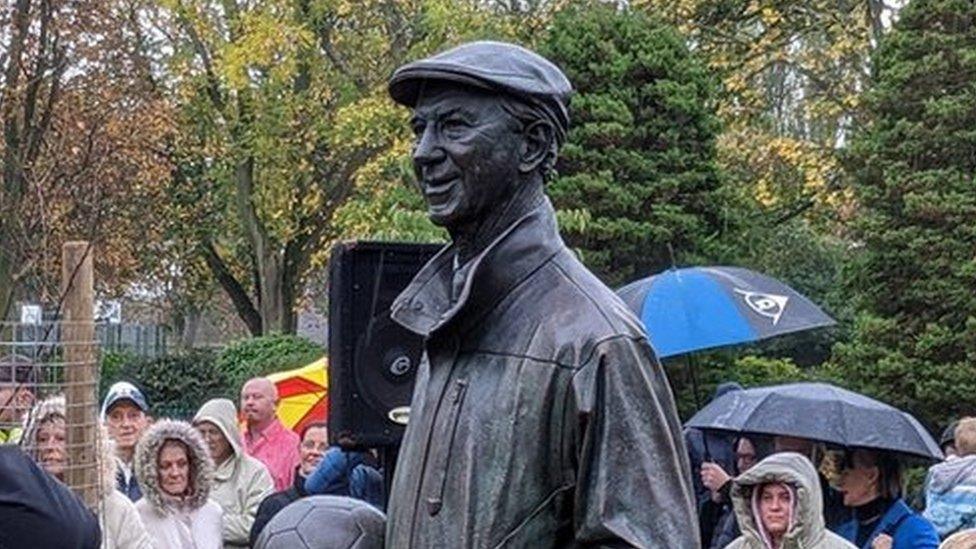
(80,369)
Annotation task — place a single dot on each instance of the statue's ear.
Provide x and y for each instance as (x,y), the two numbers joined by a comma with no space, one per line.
(538,140)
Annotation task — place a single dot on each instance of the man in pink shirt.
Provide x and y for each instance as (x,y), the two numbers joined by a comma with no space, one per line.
(265,437)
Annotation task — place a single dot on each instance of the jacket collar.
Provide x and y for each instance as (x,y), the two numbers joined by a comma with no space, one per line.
(298,484)
(425,306)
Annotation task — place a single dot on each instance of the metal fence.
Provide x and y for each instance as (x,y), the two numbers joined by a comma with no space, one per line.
(48,405)
(146,340)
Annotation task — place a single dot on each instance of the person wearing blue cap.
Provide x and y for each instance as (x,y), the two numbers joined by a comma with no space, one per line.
(125,413)
(540,416)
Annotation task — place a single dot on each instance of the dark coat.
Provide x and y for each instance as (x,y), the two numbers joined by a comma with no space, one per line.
(714,447)
(909,530)
(276,502)
(130,489)
(38,511)
(540,416)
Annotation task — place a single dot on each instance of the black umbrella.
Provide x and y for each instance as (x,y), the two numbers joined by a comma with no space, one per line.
(818,411)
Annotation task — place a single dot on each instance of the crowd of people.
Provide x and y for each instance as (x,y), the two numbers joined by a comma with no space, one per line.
(215,481)
(781,492)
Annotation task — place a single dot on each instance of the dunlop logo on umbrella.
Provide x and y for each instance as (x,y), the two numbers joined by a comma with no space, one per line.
(768,305)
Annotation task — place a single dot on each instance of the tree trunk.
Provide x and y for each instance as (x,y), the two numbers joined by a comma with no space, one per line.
(6,287)
(276,294)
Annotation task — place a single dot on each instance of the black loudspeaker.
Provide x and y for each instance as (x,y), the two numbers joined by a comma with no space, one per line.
(372,360)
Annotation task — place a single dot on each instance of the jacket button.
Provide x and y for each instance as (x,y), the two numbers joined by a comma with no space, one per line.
(417,305)
(433,505)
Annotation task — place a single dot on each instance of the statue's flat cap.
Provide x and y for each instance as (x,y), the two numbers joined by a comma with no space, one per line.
(496,66)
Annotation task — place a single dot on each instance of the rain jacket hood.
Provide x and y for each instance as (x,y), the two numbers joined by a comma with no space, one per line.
(952,473)
(147,471)
(44,410)
(241,482)
(808,529)
(222,413)
(949,488)
(54,406)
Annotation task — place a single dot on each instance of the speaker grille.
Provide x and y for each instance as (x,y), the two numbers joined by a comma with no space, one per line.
(372,360)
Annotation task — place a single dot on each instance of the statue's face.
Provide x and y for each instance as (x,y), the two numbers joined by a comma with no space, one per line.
(466,153)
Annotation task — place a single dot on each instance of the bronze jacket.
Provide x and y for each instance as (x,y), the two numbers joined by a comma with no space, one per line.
(540,416)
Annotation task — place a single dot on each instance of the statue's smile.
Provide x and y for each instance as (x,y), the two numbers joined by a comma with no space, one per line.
(438,190)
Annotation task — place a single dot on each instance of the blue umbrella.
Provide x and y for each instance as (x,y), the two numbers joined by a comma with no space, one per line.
(818,411)
(686,310)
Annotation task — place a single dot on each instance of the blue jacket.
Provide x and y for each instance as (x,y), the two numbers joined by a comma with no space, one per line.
(130,489)
(909,530)
(344,473)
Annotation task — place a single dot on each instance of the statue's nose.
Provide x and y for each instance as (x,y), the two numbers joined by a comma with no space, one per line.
(427,149)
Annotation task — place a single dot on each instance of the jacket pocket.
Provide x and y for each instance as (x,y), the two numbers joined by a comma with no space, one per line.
(442,458)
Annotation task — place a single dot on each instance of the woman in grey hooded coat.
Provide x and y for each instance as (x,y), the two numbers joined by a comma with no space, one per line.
(803,527)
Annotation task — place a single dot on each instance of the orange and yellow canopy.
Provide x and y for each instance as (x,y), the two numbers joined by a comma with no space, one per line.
(302,394)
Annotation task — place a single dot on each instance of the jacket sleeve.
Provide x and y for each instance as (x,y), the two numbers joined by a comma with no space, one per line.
(633,486)
(916,533)
(237,526)
(131,533)
(268,509)
(332,473)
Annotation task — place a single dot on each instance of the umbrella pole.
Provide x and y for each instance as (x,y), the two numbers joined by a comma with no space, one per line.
(690,359)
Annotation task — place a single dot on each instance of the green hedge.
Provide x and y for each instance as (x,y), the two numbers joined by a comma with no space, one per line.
(177,385)
(263,355)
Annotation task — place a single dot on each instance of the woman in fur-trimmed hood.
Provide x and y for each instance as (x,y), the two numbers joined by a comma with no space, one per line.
(46,442)
(779,506)
(175,474)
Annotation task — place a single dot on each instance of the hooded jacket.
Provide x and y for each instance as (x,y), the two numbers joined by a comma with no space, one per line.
(540,415)
(950,495)
(192,522)
(808,530)
(117,516)
(241,482)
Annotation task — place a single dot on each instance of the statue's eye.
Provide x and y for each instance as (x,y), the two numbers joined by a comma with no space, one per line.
(452,127)
(418,128)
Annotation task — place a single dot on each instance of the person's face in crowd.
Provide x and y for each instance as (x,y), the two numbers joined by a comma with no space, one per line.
(217,443)
(125,423)
(174,469)
(312,448)
(258,401)
(745,455)
(52,446)
(775,508)
(465,154)
(858,482)
(15,400)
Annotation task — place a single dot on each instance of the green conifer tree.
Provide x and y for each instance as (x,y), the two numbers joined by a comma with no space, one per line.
(914,174)
(637,175)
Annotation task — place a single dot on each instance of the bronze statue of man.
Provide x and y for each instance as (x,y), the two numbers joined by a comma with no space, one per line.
(540,417)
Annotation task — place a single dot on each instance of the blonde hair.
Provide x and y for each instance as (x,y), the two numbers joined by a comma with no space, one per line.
(966,436)
(960,540)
